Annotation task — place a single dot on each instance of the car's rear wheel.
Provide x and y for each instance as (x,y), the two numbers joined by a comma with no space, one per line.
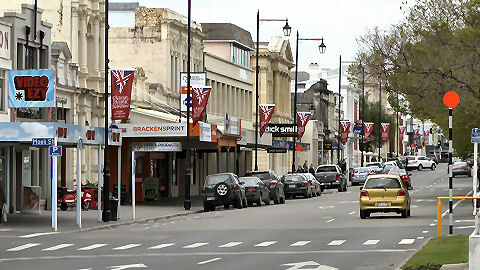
(420,167)
(363,214)
(226,206)
(212,207)
(408,212)
(206,208)
(340,188)
(282,200)
(404,213)
(259,201)
(433,167)
(277,200)
(238,203)
(249,203)
(63,207)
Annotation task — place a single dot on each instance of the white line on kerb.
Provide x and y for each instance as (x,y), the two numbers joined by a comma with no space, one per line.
(209,261)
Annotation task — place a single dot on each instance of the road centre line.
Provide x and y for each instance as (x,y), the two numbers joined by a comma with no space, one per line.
(129,246)
(209,261)
(87,256)
(5,230)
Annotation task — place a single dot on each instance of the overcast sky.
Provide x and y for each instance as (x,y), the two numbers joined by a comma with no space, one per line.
(339,22)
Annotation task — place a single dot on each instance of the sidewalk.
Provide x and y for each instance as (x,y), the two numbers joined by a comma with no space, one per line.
(161,209)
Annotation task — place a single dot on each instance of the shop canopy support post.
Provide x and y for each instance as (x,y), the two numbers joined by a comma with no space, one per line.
(119,179)
(99,184)
(79,184)
(133,185)
(54,190)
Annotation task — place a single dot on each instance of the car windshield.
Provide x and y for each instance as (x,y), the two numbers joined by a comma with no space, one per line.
(261,175)
(397,171)
(292,178)
(382,183)
(249,181)
(217,178)
(373,165)
(361,170)
(326,169)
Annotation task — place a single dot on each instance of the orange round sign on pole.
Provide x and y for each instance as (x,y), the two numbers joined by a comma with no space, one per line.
(451,99)
(298,148)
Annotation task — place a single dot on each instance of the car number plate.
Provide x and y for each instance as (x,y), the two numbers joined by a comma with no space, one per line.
(292,186)
(210,198)
(382,204)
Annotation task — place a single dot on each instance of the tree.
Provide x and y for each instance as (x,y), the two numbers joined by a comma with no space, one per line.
(436,50)
(372,115)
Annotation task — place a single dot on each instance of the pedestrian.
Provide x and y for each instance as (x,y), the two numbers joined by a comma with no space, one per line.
(343,165)
(299,170)
(311,170)
(374,159)
(305,166)
(3,213)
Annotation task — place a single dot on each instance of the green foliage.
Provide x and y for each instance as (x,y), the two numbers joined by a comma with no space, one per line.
(372,115)
(436,50)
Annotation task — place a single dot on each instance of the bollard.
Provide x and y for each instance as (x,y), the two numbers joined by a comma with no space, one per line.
(439,218)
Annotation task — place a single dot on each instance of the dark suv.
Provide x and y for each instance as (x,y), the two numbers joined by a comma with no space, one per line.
(223,189)
(270,179)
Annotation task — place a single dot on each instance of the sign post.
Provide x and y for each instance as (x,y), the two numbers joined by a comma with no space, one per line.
(475,141)
(451,100)
(54,188)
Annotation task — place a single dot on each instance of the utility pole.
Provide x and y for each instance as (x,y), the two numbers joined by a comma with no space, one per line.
(339,103)
(379,117)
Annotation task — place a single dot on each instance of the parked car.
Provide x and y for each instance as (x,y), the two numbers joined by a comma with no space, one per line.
(223,189)
(433,158)
(404,175)
(271,180)
(389,166)
(296,184)
(384,193)
(359,175)
(331,176)
(255,190)
(461,168)
(420,162)
(316,188)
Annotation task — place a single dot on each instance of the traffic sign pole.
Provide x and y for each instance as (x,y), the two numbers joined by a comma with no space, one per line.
(450,171)
(54,190)
(475,188)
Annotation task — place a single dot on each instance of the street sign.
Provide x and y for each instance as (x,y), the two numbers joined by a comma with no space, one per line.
(276,150)
(43,141)
(476,135)
(55,150)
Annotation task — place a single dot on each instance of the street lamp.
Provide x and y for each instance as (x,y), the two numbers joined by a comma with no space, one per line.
(322,48)
(286,31)
(187,204)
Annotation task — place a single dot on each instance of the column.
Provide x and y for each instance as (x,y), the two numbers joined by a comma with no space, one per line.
(101,45)
(74,35)
(96,45)
(93,152)
(82,50)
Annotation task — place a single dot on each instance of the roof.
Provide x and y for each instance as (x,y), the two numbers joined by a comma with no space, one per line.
(127,6)
(58,47)
(303,76)
(227,32)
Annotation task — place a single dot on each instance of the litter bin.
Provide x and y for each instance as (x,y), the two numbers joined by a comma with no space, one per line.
(113,208)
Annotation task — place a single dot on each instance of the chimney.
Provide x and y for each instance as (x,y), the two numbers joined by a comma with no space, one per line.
(313,71)
(324,73)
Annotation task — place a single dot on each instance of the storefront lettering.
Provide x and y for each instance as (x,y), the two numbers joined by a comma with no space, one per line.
(157,129)
(35,87)
(4,40)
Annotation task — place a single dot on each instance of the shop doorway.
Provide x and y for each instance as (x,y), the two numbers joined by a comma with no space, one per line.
(152,176)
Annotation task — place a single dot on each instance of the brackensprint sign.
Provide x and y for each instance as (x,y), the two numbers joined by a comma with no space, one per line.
(31,88)
(153,130)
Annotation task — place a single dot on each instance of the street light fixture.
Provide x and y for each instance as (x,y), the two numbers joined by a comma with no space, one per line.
(286,31)
(322,48)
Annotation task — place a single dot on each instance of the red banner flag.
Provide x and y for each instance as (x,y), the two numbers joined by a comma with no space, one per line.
(345,125)
(302,120)
(199,102)
(368,128)
(385,129)
(401,130)
(426,134)
(122,82)
(415,133)
(266,113)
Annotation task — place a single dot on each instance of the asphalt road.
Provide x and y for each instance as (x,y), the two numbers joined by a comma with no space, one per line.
(318,233)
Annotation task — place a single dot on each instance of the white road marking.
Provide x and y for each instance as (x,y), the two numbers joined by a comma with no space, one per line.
(414,206)
(162,246)
(156,225)
(146,228)
(127,266)
(353,212)
(457,203)
(5,230)
(94,246)
(265,244)
(326,207)
(36,234)
(336,243)
(301,265)
(129,246)
(22,247)
(432,224)
(196,245)
(299,243)
(424,231)
(406,241)
(330,220)
(231,244)
(209,261)
(57,247)
(465,220)
(465,227)
(420,237)
(371,242)
(344,202)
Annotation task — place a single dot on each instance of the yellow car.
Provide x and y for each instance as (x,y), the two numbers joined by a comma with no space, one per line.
(384,193)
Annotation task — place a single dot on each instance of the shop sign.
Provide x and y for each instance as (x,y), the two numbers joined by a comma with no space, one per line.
(31,88)
(232,125)
(276,150)
(157,147)
(43,141)
(154,130)
(205,132)
(197,79)
(282,130)
(327,145)
(5,42)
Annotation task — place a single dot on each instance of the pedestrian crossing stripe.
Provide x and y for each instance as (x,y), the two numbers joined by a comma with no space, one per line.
(265,244)
(57,247)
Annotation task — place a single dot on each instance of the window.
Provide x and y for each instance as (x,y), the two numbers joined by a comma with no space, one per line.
(19,56)
(3,89)
(43,58)
(30,58)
